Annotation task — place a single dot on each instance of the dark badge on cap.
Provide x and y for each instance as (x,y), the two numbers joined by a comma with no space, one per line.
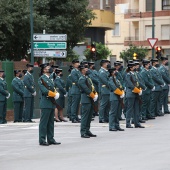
(117,63)
(44,65)
(145,61)
(130,65)
(75,61)
(154,60)
(54,66)
(30,65)
(90,63)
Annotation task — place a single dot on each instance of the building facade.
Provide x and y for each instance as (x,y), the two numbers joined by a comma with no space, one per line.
(133,25)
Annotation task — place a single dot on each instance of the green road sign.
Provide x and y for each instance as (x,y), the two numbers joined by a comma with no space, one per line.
(50,45)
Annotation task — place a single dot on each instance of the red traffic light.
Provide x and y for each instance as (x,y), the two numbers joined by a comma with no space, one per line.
(158,48)
(93,49)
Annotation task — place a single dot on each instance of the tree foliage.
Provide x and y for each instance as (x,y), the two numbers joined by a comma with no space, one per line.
(128,53)
(102,52)
(69,17)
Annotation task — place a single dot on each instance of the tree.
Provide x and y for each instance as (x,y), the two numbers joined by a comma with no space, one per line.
(128,54)
(70,17)
(102,52)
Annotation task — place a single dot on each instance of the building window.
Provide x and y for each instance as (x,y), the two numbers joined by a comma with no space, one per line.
(165,32)
(148,5)
(107,2)
(112,60)
(148,31)
(116,30)
(165,4)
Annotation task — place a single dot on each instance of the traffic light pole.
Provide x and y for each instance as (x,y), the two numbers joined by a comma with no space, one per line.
(153,25)
(31,27)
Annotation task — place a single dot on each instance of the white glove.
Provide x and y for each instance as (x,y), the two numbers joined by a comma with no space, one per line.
(141,92)
(34,94)
(57,96)
(95,98)
(163,85)
(66,94)
(122,96)
(153,88)
(125,89)
(8,96)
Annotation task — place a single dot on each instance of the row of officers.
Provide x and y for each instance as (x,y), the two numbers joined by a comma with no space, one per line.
(139,91)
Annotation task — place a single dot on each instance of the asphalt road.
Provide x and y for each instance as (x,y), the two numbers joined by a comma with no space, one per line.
(133,149)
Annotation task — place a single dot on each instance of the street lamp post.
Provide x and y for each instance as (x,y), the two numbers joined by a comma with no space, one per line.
(31,27)
(153,25)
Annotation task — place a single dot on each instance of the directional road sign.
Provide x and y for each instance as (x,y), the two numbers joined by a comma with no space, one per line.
(50,45)
(152,41)
(50,37)
(50,53)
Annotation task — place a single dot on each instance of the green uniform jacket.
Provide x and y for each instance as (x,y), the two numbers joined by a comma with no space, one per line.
(53,76)
(29,85)
(18,87)
(45,102)
(75,75)
(147,77)
(157,79)
(95,79)
(140,80)
(130,86)
(69,84)
(104,82)
(120,78)
(3,90)
(112,88)
(165,75)
(85,90)
(60,86)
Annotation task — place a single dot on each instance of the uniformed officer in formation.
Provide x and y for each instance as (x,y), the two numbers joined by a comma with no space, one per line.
(29,94)
(75,91)
(60,86)
(4,95)
(47,106)
(104,91)
(88,97)
(18,96)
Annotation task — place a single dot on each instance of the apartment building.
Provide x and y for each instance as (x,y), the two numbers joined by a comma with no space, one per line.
(133,25)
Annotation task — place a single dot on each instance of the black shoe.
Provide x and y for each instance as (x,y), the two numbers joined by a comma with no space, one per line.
(44,144)
(144,118)
(121,119)
(159,115)
(85,136)
(92,119)
(91,135)
(74,121)
(142,121)
(129,126)
(54,143)
(120,129)
(132,122)
(96,114)
(56,120)
(62,120)
(167,112)
(31,121)
(101,121)
(139,126)
(15,121)
(113,129)
(150,117)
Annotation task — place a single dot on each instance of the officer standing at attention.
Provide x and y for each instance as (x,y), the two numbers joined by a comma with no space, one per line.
(158,83)
(116,99)
(68,89)
(133,92)
(18,96)
(88,96)
(165,75)
(29,93)
(104,91)
(47,106)
(146,97)
(4,95)
(75,91)
(60,85)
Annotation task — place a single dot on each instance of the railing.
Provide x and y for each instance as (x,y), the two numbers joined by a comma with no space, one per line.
(130,11)
(132,38)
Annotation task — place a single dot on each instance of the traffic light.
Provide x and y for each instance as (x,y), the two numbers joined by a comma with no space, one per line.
(93,51)
(158,52)
(134,56)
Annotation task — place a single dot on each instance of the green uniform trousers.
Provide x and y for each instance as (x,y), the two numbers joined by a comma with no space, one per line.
(155,104)
(104,107)
(69,106)
(145,111)
(3,106)
(75,106)
(29,108)
(115,108)
(46,126)
(18,111)
(132,111)
(164,100)
(87,111)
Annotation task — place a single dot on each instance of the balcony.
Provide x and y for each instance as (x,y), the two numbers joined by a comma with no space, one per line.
(131,11)
(132,38)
